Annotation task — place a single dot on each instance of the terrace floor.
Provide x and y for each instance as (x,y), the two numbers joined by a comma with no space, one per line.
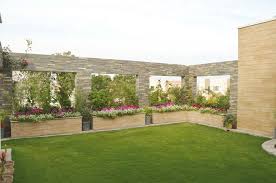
(169,153)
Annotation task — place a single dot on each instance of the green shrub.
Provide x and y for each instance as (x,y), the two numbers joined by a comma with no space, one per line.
(229,120)
(33,90)
(200,99)
(158,96)
(180,95)
(106,92)
(66,86)
(123,88)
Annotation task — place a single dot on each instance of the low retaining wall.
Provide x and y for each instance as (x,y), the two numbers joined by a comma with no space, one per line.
(188,116)
(119,122)
(74,125)
(51,127)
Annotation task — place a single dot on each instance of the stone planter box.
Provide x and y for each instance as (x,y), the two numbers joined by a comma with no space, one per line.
(127,121)
(188,116)
(205,118)
(148,119)
(51,127)
(169,117)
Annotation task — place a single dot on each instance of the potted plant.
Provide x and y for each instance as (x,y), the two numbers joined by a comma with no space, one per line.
(87,123)
(148,115)
(229,121)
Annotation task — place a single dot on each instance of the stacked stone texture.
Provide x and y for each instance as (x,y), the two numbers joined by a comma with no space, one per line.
(84,67)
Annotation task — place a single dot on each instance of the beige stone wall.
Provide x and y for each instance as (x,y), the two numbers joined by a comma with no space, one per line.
(188,116)
(51,127)
(119,122)
(169,117)
(257,77)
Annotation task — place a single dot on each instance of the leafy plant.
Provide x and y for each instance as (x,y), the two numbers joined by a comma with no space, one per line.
(10,63)
(115,112)
(123,88)
(148,110)
(100,95)
(66,86)
(229,120)
(106,92)
(33,90)
(158,96)
(180,95)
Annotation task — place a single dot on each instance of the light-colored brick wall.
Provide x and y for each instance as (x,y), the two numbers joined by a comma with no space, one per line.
(188,116)
(257,77)
(136,120)
(51,127)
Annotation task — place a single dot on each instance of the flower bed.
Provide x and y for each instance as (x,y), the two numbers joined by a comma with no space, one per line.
(37,114)
(33,122)
(121,117)
(116,112)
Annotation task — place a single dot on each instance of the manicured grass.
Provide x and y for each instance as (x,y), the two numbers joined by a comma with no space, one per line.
(162,154)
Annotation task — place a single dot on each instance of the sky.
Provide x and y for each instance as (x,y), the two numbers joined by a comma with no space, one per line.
(168,31)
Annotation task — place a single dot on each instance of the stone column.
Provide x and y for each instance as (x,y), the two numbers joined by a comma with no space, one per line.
(83,82)
(6,90)
(193,84)
(184,82)
(142,89)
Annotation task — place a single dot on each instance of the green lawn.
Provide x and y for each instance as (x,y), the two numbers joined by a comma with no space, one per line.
(161,154)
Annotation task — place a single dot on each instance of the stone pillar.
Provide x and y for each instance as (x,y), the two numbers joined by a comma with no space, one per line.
(83,82)
(5,90)
(233,94)
(184,81)
(142,89)
(193,84)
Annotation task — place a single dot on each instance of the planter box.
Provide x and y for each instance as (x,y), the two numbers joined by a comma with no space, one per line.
(188,116)
(51,127)
(148,119)
(86,125)
(169,117)
(205,118)
(119,122)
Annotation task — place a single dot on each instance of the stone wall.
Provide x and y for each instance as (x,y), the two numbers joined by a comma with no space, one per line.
(213,69)
(188,116)
(257,77)
(50,127)
(85,66)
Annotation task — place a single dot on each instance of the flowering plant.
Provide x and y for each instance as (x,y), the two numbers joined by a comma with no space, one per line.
(170,107)
(118,111)
(36,114)
(30,111)
(44,117)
